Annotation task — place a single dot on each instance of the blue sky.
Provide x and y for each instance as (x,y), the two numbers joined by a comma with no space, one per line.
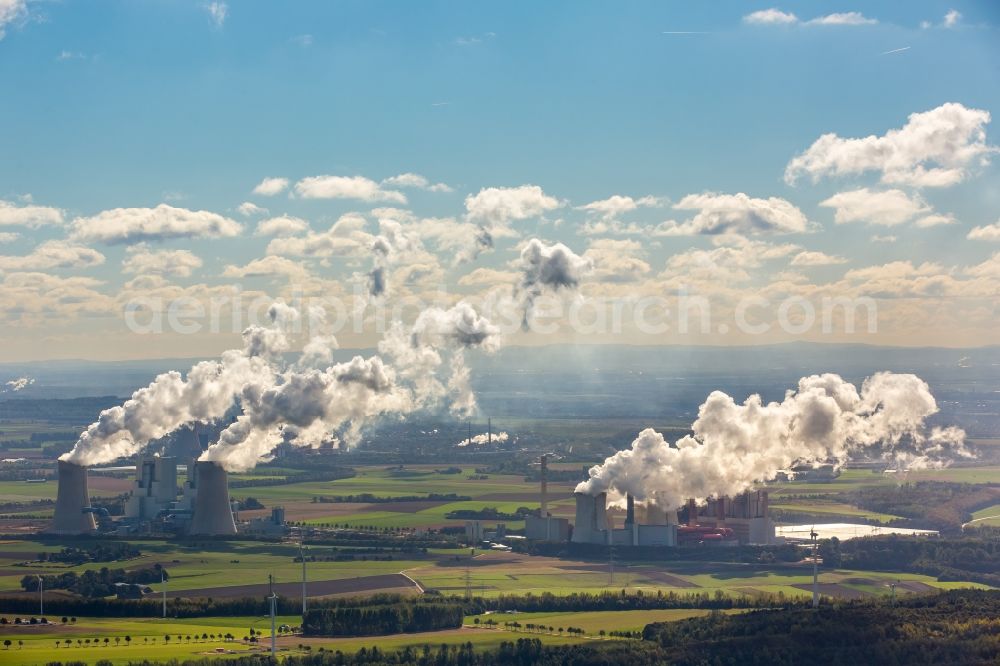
(134,104)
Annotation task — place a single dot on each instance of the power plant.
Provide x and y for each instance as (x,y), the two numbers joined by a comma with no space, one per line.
(201,507)
(73,513)
(726,521)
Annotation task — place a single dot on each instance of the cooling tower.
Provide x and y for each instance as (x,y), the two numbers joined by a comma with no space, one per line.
(212,513)
(71,499)
(584,526)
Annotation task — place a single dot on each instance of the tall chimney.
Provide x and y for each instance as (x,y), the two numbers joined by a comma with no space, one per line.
(692,513)
(212,512)
(544,510)
(763,504)
(71,499)
(489,431)
(629,509)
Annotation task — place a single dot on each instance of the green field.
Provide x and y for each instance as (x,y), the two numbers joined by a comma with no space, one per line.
(591,622)
(988,516)
(202,565)
(147,639)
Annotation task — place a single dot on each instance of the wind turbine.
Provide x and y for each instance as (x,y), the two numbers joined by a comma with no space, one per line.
(302,556)
(272,598)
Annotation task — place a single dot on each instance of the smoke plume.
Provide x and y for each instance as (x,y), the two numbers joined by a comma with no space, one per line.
(302,404)
(420,351)
(19,384)
(735,446)
(548,268)
(485,438)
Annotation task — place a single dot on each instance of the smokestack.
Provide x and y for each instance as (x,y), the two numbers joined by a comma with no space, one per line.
(71,499)
(544,511)
(692,513)
(763,504)
(212,512)
(629,509)
(489,431)
(720,509)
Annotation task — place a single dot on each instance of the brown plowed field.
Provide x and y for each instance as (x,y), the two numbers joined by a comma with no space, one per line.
(319,588)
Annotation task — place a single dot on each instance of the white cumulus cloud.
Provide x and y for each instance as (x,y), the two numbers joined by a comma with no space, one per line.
(736,214)
(989,232)
(11,11)
(935,148)
(271,186)
(53,254)
(346,187)
(28,215)
(136,225)
(176,263)
(284,225)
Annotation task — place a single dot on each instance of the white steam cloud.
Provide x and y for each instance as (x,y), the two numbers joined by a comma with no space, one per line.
(301,404)
(436,336)
(485,438)
(19,384)
(735,446)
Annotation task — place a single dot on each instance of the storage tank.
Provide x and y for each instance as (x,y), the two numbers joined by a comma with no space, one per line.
(213,515)
(71,499)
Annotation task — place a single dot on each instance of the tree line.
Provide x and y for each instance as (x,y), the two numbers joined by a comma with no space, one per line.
(381,620)
(95,582)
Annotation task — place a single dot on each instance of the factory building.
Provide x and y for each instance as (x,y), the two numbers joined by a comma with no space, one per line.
(594,525)
(746,514)
(154,489)
(724,522)
(272,526)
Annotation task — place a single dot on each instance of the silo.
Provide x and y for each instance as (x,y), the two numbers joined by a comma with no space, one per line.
(71,499)
(212,513)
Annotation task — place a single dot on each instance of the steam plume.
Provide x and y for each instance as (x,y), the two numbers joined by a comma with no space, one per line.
(19,384)
(548,268)
(420,351)
(484,438)
(303,405)
(735,446)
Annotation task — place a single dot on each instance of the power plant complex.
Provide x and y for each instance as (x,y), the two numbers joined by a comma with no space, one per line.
(201,507)
(724,521)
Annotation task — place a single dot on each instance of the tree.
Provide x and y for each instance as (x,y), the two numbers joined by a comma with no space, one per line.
(6,644)
(118,641)
(128,641)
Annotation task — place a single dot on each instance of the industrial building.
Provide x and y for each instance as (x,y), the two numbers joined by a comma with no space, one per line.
(745,514)
(154,489)
(725,522)
(272,526)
